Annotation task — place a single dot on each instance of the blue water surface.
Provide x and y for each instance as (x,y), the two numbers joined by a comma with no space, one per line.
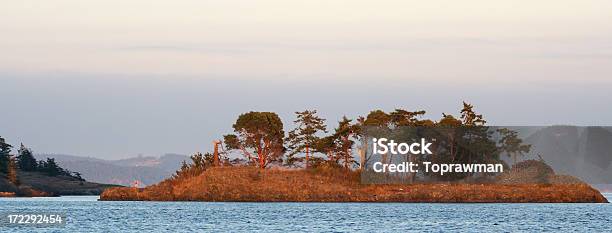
(86,214)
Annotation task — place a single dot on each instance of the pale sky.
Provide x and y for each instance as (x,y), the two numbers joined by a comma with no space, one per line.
(117,78)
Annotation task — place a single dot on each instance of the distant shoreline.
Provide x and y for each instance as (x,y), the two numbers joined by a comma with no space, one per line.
(37,184)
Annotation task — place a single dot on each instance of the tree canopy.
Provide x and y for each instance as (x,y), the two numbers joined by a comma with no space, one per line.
(259,136)
(25,159)
(512,144)
(304,136)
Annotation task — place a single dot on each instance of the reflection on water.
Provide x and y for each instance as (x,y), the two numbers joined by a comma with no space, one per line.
(86,214)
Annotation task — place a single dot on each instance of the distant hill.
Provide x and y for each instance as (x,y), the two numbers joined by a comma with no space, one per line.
(585,152)
(145,169)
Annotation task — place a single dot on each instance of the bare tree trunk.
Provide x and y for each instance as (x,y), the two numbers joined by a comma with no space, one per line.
(307,155)
(260,156)
(361,158)
(346,160)
(346,153)
(216,152)
(262,161)
(362,154)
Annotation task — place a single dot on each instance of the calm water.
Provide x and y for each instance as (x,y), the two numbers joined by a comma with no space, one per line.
(88,215)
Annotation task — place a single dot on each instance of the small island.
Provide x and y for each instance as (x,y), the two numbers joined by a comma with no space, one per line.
(272,171)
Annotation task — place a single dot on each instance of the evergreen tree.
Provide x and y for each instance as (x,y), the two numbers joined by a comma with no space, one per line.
(345,132)
(304,136)
(512,144)
(326,145)
(401,117)
(41,165)
(381,124)
(50,167)
(464,140)
(377,118)
(5,157)
(78,175)
(259,135)
(199,163)
(469,117)
(25,159)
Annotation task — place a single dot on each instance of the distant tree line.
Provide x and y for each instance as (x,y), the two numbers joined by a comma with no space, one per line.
(24,161)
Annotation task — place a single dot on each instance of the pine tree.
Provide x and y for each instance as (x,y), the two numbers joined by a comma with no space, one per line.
(25,159)
(51,167)
(343,141)
(78,175)
(304,136)
(469,117)
(5,157)
(512,144)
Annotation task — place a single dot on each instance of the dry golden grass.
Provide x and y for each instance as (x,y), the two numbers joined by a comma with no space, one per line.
(249,184)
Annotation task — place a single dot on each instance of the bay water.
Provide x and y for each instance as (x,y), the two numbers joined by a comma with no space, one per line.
(87,214)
